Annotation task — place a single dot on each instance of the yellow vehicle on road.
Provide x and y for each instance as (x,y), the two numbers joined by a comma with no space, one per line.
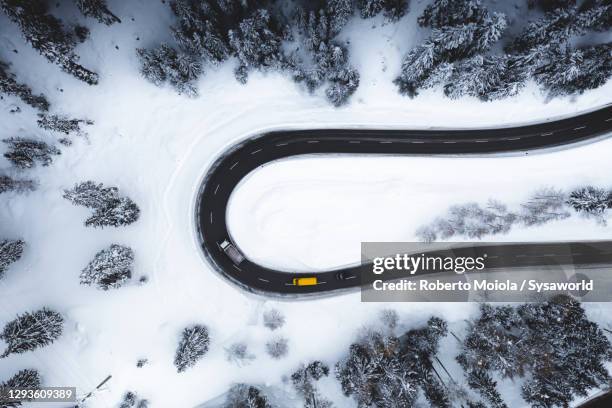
(310,281)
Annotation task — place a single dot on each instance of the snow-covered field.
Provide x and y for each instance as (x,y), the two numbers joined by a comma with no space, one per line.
(313,212)
(156,147)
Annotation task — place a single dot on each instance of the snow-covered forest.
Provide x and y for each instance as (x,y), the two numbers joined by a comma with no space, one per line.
(110,113)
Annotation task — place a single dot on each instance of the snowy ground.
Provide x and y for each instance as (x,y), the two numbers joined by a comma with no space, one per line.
(156,146)
(313,212)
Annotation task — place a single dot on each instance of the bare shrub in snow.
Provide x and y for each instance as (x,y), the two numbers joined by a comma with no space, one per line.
(110,268)
(19,186)
(10,86)
(389,318)
(470,220)
(239,353)
(24,152)
(110,209)
(545,205)
(245,396)
(192,347)
(273,319)
(277,348)
(10,251)
(30,331)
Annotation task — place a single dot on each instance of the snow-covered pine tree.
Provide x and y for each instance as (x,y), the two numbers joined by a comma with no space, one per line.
(485,77)
(338,13)
(10,252)
(446,13)
(121,211)
(97,9)
(573,71)
(47,35)
(91,195)
(28,379)
(590,200)
(25,153)
(130,400)
(245,396)
(419,347)
(192,347)
(166,64)
(561,336)
(527,341)
(201,28)
(23,379)
(422,66)
(10,86)
(30,331)
(493,342)
(383,370)
(480,381)
(110,268)
(62,124)
(417,66)
(463,41)
(555,28)
(304,379)
(392,9)
(9,184)
(343,83)
(110,209)
(596,15)
(257,43)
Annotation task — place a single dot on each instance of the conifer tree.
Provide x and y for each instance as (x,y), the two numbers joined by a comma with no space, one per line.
(18,185)
(166,64)
(192,347)
(246,396)
(110,268)
(590,200)
(110,209)
(10,252)
(48,36)
(30,331)
(97,9)
(10,86)
(25,153)
(23,379)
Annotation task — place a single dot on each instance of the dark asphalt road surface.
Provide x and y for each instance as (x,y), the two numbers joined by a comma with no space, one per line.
(243,158)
